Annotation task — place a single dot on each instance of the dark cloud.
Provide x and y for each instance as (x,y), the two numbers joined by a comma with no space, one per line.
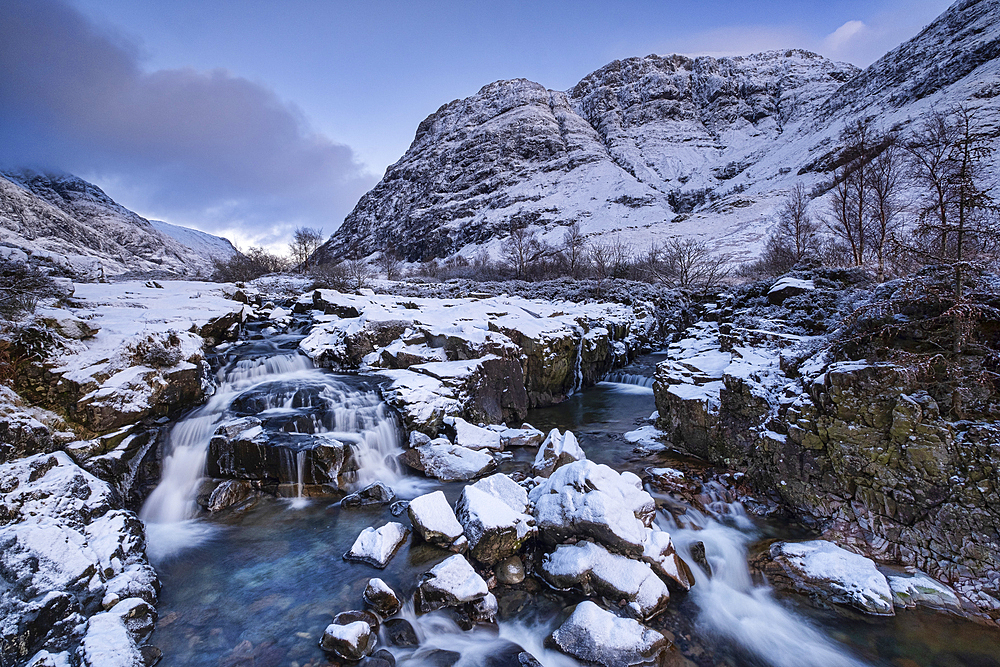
(207,148)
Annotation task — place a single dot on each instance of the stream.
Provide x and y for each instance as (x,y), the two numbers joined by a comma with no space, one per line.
(257,585)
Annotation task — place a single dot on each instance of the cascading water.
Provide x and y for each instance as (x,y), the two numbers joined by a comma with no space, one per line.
(281,386)
(578,363)
(630,378)
(731,606)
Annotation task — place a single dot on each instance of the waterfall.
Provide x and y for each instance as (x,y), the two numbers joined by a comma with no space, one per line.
(731,606)
(630,378)
(337,411)
(578,364)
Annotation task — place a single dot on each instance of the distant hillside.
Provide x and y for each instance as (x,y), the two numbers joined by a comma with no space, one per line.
(77,226)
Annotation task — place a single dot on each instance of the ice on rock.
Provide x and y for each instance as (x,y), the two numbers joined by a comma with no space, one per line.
(451,583)
(448,462)
(918,589)
(377,546)
(589,499)
(472,436)
(434,520)
(596,570)
(596,635)
(557,450)
(840,576)
(495,530)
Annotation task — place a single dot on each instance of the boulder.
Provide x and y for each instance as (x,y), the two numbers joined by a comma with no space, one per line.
(380,597)
(451,583)
(230,492)
(594,569)
(351,641)
(916,589)
(107,643)
(788,286)
(589,499)
(472,436)
(448,462)
(377,546)
(509,571)
(435,521)
(376,493)
(399,632)
(830,574)
(557,450)
(598,636)
(526,436)
(494,529)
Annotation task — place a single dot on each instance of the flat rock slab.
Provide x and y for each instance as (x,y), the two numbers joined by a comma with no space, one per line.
(595,635)
(825,571)
(447,462)
(377,546)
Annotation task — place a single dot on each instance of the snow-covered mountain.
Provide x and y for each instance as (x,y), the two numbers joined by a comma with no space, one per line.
(76,226)
(647,149)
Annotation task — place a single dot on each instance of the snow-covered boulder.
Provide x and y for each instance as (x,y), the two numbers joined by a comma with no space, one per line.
(495,529)
(350,641)
(595,635)
(659,553)
(526,436)
(448,462)
(434,520)
(377,546)
(594,569)
(788,286)
(472,436)
(376,493)
(451,583)
(831,574)
(557,450)
(108,643)
(589,499)
(380,597)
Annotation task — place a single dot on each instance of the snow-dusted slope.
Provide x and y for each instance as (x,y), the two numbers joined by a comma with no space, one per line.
(203,243)
(77,226)
(646,149)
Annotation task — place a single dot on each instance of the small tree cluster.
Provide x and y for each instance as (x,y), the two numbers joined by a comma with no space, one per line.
(305,241)
(248,265)
(21,285)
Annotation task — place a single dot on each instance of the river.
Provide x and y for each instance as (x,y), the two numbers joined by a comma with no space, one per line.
(257,586)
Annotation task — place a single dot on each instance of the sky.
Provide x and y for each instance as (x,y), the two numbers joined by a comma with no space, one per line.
(250,118)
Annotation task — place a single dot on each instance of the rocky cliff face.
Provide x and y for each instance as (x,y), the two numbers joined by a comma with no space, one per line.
(75,225)
(873,453)
(647,149)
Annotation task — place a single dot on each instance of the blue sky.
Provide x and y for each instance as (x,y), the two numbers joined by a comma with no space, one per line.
(249,118)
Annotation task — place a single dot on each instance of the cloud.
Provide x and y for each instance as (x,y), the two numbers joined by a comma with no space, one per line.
(845,38)
(207,148)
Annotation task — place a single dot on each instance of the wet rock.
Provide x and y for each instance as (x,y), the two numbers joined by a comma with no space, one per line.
(526,436)
(399,507)
(472,436)
(381,658)
(230,492)
(916,589)
(587,499)
(484,610)
(830,574)
(399,632)
(495,530)
(595,635)
(377,546)
(448,462)
(352,641)
(510,655)
(376,493)
(381,597)
(345,617)
(451,583)
(510,571)
(435,521)
(439,658)
(659,553)
(594,569)
(557,450)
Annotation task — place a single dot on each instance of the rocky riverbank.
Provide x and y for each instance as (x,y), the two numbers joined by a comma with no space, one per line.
(887,447)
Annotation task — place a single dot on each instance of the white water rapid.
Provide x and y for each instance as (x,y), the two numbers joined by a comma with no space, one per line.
(732,606)
(342,413)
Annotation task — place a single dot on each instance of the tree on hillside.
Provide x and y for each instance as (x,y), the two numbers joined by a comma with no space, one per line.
(574,249)
(304,243)
(885,207)
(795,232)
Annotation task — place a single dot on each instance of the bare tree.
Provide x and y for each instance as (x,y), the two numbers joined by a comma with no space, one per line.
(523,249)
(390,264)
(574,249)
(304,243)
(885,185)
(689,263)
(795,231)
(849,209)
